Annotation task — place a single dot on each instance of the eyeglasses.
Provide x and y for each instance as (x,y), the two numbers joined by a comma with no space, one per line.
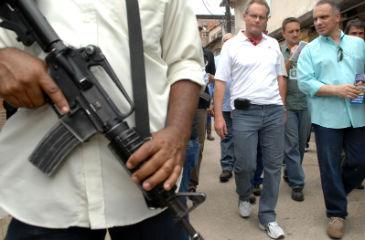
(339,54)
(254,16)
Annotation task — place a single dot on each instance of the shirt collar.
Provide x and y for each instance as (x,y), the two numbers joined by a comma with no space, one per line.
(327,38)
(243,37)
(285,47)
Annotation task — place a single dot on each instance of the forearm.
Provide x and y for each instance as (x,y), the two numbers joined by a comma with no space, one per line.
(327,90)
(219,90)
(283,88)
(342,91)
(183,102)
(167,147)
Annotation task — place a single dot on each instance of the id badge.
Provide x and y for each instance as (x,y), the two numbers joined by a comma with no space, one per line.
(293,74)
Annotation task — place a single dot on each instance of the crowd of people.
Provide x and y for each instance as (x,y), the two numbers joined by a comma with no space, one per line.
(271,111)
(264,99)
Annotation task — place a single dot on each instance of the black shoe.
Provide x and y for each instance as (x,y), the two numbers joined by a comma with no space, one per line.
(256,190)
(252,198)
(225,175)
(297,194)
(361,187)
(210,137)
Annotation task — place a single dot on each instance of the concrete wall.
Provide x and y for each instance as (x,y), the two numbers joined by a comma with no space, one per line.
(239,7)
(281,9)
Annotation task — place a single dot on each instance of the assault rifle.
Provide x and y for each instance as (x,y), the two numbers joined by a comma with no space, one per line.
(91,109)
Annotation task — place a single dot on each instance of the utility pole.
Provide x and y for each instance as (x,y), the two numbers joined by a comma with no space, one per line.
(228,17)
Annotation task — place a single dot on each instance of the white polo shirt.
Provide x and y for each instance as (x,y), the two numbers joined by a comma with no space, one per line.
(254,69)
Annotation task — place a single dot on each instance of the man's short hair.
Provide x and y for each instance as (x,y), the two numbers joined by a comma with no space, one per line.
(262,2)
(289,20)
(333,5)
(354,23)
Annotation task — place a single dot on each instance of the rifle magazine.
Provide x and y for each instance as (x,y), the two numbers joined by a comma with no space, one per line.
(53,149)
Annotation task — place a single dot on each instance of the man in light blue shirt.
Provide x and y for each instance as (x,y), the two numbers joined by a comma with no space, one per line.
(327,68)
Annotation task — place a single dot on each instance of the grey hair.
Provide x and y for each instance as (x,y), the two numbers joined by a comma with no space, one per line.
(333,5)
(262,2)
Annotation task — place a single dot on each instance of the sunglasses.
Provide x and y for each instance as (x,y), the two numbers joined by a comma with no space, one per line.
(339,54)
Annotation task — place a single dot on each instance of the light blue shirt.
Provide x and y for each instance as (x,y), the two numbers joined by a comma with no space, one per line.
(318,65)
(226,106)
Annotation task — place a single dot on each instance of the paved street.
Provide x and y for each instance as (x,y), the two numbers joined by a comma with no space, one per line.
(218,219)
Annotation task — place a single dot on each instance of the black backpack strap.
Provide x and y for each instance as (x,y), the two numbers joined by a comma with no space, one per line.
(138,69)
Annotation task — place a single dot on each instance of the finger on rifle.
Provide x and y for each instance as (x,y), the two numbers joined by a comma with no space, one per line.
(171,181)
(34,94)
(155,168)
(163,173)
(54,93)
(140,155)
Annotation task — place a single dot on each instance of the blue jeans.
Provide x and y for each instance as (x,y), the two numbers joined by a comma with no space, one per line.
(227,151)
(209,119)
(339,179)
(202,122)
(161,227)
(263,124)
(257,179)
(297,129)
(191,159)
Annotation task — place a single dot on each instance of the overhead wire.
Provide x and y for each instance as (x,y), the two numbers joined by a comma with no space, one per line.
(221,9)
(205,5)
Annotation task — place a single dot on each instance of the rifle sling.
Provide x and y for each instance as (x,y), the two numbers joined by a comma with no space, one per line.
(138,69)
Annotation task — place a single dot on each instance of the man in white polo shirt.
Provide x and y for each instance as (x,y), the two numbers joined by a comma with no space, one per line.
(253,60)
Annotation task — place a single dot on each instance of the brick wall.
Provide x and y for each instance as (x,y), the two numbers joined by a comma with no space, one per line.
(2,114)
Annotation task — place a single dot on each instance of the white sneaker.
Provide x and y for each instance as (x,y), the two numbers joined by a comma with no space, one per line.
(244,208)
(273,230)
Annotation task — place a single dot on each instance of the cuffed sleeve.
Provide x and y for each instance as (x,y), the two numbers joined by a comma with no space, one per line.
(181,45)
(307,82)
